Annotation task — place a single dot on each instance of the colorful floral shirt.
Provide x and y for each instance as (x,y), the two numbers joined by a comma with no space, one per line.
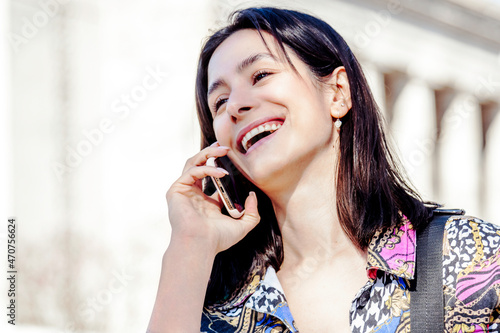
(471,284)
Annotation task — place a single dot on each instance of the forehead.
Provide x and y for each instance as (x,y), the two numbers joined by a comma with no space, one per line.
(237,47)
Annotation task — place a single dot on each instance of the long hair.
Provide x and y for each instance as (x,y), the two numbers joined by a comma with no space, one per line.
(372,191)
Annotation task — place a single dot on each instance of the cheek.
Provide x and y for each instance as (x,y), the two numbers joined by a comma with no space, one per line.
(296,91)
(222,131)
(283,89)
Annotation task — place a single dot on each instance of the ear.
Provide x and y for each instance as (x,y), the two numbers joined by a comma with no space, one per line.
(341,100)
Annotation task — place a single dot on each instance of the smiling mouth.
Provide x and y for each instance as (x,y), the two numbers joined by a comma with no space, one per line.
(258,133)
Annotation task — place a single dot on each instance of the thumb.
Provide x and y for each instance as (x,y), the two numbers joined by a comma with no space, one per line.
(251,217)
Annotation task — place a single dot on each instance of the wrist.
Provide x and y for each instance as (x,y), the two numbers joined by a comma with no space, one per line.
(193,247)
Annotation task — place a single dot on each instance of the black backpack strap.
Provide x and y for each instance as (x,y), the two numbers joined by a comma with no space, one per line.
(426,294)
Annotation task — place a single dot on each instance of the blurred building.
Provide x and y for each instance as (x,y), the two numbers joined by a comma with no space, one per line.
(99,120)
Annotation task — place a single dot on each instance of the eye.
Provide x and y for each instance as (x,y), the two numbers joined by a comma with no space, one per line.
(260,75)
(218,103)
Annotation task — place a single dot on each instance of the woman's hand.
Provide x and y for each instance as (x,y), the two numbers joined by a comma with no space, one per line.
(196,216)
(199,232)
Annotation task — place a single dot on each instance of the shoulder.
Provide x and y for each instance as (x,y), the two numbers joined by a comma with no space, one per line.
(467,234)
(471,272)
(458,221)
(470,241)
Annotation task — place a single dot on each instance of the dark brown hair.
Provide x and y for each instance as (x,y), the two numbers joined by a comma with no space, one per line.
(372,192)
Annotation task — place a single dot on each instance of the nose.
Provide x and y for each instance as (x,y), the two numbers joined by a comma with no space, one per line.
(238,104)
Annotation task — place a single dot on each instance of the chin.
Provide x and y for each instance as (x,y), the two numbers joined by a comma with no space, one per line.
(269,176)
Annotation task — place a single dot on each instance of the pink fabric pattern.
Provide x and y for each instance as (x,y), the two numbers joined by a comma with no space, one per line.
(399,252)
(473,285)
(393,251)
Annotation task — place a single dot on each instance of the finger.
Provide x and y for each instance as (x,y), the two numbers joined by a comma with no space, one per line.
(195,174)
(202,157)
(251,216)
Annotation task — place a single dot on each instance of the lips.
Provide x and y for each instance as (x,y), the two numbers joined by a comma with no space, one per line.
(257,131)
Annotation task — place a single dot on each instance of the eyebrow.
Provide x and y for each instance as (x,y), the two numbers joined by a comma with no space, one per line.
(241,66)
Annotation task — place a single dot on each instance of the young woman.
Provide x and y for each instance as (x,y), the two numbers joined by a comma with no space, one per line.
(327,240)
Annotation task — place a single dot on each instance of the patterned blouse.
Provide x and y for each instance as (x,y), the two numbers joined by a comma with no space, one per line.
(471,284)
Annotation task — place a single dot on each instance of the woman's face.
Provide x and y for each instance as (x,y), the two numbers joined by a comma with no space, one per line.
(274,119)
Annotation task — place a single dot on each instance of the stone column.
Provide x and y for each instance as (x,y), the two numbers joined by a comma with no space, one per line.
(414,129)
(491,179)
(460,147)
(376,81)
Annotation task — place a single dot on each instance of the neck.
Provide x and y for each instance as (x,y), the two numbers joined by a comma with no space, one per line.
(307,217)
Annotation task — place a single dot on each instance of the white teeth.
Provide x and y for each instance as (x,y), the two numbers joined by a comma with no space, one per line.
(257,131)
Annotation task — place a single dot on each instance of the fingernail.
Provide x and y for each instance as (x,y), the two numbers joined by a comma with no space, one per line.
(223,147)
(214,144)
(223,170)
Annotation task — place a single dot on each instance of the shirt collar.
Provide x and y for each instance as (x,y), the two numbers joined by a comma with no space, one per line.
(393,250)
(262,294)
(269,298)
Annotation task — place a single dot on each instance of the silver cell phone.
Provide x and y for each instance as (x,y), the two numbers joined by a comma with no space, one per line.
(232,197)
